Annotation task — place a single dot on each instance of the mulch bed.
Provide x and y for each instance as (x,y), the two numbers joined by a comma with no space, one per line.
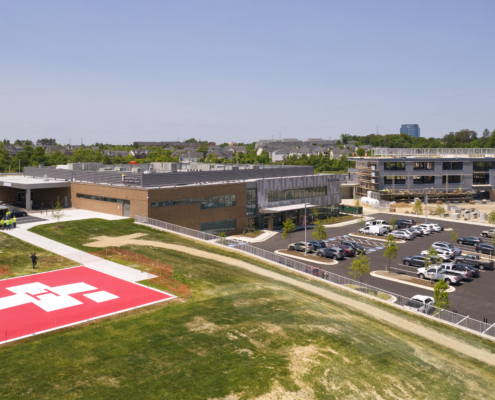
(406,278)
(384,237)
(308,257)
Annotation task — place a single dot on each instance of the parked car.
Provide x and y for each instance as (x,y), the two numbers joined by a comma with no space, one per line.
(488,234)
(434,227)
(380,222)
(377,230)
(18,213)
(474,260)
(402,235)
(429,228)
(465,274)
(445,255)
(485,248)
(416,261)
(301,246)
(313,270)
(475,271)
(402,223)
(317,244)
(436,273)
(349,251)
(425,231)
(407,221)
(447,246)
(470,240)
(440,227)
(412,232)
(331,252)
(422,304)
(357,247)
(418,231)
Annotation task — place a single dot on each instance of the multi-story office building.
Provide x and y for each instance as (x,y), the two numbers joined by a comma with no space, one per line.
(211,201)
(402,174)
(411,130)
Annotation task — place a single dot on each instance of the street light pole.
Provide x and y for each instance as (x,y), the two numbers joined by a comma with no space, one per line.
(304,222)
(426,206)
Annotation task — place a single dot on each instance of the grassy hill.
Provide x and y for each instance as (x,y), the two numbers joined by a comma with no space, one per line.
(240,336)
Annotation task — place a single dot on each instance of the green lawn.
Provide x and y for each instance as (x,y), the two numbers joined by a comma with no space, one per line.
(241,335)
(16,253)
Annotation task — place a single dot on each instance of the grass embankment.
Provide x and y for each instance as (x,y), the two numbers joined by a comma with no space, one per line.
(242,335)
(16,253)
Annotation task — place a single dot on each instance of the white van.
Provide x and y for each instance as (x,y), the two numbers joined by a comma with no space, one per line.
(378,222)
(377,230)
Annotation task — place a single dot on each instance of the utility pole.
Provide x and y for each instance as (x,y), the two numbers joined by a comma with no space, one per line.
(426,207)
(304,222)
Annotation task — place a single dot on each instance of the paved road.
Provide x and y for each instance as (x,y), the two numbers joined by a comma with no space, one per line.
(475,298)
(29,219)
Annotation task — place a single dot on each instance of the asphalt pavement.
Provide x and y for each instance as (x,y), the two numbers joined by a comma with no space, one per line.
(475,298)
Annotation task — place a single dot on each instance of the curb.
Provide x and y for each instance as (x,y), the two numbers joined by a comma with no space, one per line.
(333,262)
(373,273)
(373,238)
(354,221)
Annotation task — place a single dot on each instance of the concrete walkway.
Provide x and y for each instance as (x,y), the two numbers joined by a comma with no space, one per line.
(81,257)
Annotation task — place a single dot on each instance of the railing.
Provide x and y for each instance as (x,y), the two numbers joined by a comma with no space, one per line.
(445,315)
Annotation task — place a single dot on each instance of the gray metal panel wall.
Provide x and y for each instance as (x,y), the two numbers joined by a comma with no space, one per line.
(333,190)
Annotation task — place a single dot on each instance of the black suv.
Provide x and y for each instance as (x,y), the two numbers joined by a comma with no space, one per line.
(416,261)
(403,223)
(464,267)
(359,249)
(470,240)
(485,248)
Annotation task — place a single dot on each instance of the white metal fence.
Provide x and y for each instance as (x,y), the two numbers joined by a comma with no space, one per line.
(445,315)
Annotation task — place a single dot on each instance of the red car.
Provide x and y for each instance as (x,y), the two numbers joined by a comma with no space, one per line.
(349,251)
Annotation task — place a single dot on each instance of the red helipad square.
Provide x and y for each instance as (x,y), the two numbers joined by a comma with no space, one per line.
(38,303)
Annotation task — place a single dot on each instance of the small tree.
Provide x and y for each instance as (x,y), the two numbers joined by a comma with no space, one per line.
(440,295)
(431,258)
(361,220)
(359,267)
(58,211)
(222,238)
(357,203)
(417,207)
(392,222)
(319,232)
(490,218)
(390,250)
(315,213)
(440,210)
(289,227)
(454,235)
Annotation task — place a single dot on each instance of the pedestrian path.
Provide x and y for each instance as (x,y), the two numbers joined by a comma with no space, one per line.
(81,257)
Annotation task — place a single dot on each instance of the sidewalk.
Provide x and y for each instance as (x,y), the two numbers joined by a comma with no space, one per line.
(70,214)
(89,260)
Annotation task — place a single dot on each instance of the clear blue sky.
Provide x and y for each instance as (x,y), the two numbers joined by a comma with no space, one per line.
(119,71)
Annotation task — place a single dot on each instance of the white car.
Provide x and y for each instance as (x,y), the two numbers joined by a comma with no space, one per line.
(436,227)
(423,229)
(445,255)
(428,227)
(447,246)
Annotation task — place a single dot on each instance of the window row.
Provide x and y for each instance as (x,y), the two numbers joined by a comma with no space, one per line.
(483,165)
(101,198)
(288,194)
(227,200)
(447,166)
(227,225)
(423,166)
(421,180)
(395,166)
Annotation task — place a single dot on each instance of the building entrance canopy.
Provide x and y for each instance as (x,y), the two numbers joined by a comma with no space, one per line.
(291,207)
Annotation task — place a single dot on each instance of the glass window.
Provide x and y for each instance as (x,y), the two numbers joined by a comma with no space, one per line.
(228,225)
(424,180)
(395,166)
(102,198)
(452,179)
(453,166)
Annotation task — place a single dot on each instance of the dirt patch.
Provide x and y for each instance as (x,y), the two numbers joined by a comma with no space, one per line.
(405,278)
(387,318)
(199,324)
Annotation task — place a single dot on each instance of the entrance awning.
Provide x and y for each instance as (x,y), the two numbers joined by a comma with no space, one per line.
(291,207)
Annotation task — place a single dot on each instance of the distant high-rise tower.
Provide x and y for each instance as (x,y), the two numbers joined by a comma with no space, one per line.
(411,129)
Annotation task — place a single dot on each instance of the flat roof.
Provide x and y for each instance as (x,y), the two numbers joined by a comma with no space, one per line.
(24,182)
(291,207)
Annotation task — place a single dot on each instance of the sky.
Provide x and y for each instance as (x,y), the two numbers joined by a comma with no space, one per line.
(226,70)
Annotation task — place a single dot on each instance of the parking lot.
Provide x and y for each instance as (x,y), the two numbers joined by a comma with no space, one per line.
(475,298)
